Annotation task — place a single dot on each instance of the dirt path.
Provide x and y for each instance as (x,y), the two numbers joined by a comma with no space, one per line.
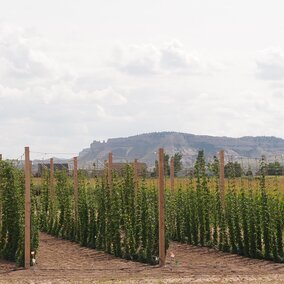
(60,261)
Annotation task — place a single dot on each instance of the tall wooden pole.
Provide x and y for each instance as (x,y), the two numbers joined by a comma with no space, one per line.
(105,171)
(172,173)
(27,208)
(110,170)
(162,250)
(76,185)
(222,178)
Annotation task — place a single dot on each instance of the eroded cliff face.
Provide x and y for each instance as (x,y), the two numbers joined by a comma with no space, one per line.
(145,146)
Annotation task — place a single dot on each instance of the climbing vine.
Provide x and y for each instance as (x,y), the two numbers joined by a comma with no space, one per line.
(12,217)
(251,222)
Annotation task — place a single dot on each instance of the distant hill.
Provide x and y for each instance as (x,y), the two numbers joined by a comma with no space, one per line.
(145,146)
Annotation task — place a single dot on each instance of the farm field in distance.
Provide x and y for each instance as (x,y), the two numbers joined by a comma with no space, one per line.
(182,182)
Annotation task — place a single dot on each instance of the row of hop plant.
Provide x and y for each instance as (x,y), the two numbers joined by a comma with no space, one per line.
(12,214)
(251,222)
(120,219)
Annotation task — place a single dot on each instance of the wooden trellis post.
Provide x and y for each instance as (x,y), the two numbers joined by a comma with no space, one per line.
(172,173)
(162,252)
(110,170)
(105,171)
(76,185)
(27,208)
(222,178)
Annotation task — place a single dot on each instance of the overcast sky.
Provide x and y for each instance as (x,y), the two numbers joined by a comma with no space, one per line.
(76,71)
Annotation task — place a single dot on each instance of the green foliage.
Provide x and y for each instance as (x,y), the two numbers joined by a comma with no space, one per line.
(166,166)
(250,224)
(12,214)
(177,162)
(235,167)
(122,220)
(114,218)
(274,169)
(265,213)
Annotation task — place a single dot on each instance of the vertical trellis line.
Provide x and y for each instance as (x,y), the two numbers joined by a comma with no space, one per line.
(172,173)
(222,178)
(162,251)
(27,208)
(110,170)
(135,167)
(105,171)
(51,185)
(75,177)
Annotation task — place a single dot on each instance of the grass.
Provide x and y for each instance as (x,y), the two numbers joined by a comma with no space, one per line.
(271,181)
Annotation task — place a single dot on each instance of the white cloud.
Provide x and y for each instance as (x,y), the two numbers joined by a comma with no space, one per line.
(22,59)
(174,57)
(270,64)
(58,96)
(40,101)
(137,60)
(169,58)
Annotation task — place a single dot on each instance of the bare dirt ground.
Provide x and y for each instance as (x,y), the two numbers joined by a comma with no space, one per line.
(61,261)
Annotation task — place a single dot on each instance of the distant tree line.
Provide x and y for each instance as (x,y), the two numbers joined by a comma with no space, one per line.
(271,169)
(177,165)
(235,169)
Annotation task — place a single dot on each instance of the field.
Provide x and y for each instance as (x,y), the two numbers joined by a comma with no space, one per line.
(182,182)
(87,230)
(61,261)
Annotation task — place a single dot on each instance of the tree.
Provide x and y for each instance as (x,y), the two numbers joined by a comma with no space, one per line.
(166,166)
(155,173)
(213,167)
(233,169)
(177,162)
(249,172)
(274,169)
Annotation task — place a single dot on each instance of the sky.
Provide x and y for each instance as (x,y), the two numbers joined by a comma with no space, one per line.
(76,71)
